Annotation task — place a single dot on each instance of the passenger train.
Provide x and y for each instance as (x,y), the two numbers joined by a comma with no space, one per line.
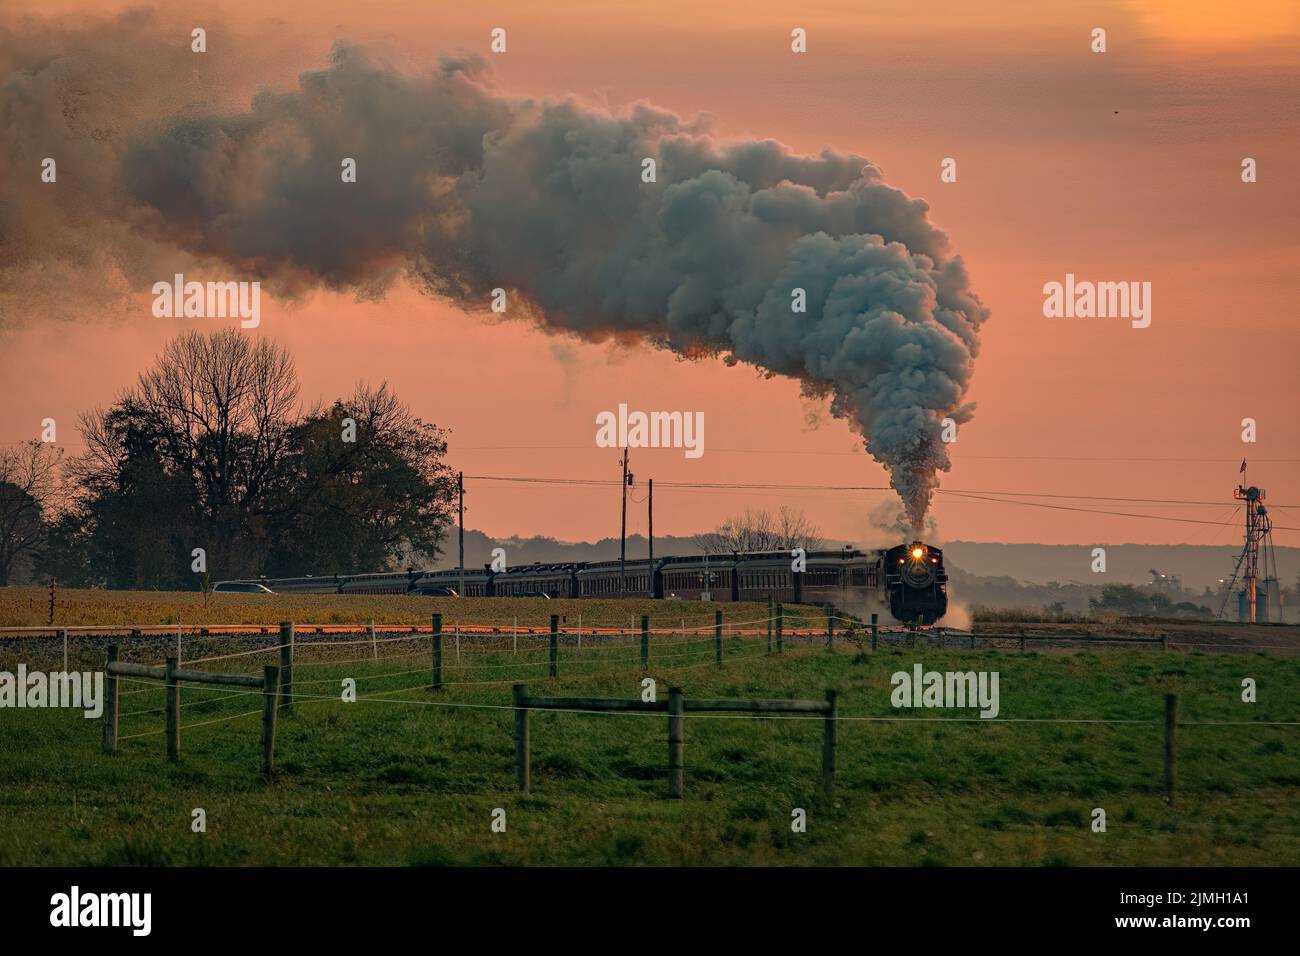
(908,582)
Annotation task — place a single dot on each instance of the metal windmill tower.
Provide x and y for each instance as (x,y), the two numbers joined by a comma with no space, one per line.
(1257,564)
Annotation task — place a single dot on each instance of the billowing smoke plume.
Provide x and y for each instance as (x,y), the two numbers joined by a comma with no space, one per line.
(462,189)
(887,523)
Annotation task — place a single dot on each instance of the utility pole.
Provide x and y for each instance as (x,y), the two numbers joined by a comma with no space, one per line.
(651,509)
(460,494)
(622,534)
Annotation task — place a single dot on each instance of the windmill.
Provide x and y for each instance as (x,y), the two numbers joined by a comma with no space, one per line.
(1256,566)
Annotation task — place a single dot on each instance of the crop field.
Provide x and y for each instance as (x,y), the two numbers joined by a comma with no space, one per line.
(30,607)
(406,775)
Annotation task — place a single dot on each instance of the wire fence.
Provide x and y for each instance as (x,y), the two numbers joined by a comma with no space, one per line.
(525,639)
(485,656)
(412,688)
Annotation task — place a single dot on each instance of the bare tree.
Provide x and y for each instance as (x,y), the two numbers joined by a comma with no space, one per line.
(759,530)
(794,530)
(217,411)
(222,407)
(28,493)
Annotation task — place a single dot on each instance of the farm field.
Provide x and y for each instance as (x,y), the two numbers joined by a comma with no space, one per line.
(29,607)
(409,776)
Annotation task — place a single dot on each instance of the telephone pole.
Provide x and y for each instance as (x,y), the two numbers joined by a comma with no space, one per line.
(460,494)
(622,534)
(651,509)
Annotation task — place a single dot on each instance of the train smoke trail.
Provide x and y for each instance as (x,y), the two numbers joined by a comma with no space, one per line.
(463,188)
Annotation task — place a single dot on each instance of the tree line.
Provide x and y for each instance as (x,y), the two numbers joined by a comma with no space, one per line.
(211,450)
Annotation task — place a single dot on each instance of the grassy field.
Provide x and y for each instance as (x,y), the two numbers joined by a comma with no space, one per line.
(30,607)
(409,776)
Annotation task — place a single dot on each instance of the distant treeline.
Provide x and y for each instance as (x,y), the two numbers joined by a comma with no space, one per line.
(209,451)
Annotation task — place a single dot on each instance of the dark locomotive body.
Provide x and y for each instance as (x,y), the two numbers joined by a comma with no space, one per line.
(915,583)
(907,582)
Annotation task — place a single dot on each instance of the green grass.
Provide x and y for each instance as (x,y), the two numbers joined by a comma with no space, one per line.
(413,783)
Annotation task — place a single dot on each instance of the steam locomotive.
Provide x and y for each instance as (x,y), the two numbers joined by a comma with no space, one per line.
(907,582)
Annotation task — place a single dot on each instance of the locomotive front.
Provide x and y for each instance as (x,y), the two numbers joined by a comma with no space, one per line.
(917,583)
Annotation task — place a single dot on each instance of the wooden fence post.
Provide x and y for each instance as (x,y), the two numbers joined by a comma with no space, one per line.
(521,737)
(555,644)
(830,631)
(270,688)
(173,712)
(1163,646)
(771,616)
(286,665)
(828,745)
(874,630)
(1171,760)
(1022,638)
(717,636)
(437,652)
(676,740)
(645,641)
(374,643)
(65,650)
(110,702)
(780,614)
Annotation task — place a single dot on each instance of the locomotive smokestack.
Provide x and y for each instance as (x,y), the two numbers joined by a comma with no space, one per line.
(805,266)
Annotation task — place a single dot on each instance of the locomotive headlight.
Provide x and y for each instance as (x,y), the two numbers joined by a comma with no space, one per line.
(917,552)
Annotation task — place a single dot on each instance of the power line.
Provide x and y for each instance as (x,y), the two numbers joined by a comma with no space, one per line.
(1098,511)
(995,497)
(863,454)
(750,486)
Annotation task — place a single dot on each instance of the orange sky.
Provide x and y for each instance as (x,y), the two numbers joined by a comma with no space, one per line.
(1122,166)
